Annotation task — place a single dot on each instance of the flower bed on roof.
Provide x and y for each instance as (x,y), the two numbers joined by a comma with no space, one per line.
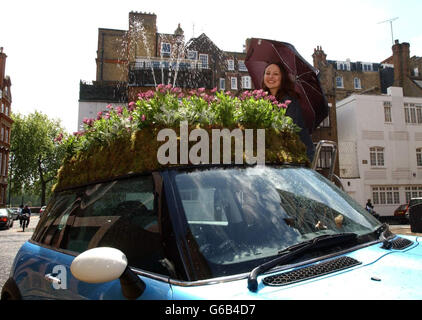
(123,140)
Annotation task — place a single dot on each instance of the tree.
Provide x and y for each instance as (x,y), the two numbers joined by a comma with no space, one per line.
(35,153)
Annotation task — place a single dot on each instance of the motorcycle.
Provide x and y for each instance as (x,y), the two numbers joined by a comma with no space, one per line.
(24,218)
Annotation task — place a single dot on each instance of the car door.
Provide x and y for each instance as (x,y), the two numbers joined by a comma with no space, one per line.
(121,214)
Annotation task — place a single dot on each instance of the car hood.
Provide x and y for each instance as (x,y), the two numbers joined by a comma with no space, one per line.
(382,274)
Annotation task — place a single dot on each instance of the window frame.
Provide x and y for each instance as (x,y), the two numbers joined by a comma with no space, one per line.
(201,61)
(377,156)
(339,82)
(233,83)
(387,112)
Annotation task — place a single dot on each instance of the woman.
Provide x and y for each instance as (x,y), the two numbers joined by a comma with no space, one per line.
(278,84)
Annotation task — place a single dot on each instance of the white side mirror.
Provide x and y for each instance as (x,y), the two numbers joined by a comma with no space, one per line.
(99,265)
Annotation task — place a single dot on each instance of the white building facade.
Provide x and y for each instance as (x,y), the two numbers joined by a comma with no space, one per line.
(380,148)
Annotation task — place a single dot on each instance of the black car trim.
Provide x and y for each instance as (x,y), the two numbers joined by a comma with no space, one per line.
(179,226)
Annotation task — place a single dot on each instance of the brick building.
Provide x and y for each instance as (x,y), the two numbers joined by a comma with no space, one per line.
(5,126)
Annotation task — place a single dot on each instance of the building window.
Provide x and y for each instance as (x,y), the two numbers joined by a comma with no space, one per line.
(339,82)
(222,84)
(416,72)
(242,66)
(233,81)
(357,83)
(192,55)
(386,195)
(387,111)
(412,192)
(325,123)
(376,155)
(203,58)
(343,65)
(165,49)
(419,157)
(230,64)
(246,82)
(367,67)
(412,113)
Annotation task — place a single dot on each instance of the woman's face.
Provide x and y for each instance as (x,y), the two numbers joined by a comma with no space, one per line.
(272,78)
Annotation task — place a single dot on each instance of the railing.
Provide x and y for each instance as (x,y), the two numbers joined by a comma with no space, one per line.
(150,63)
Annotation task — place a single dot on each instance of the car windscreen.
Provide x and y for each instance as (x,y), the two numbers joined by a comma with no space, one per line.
(239,215)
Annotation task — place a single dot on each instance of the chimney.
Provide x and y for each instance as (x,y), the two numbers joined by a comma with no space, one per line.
(319,57)
(401,57)
(142,35)
(2,66)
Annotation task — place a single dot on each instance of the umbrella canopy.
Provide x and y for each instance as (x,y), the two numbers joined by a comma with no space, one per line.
(262,52)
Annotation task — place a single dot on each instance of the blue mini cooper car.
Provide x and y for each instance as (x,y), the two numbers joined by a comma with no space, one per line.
(214,232)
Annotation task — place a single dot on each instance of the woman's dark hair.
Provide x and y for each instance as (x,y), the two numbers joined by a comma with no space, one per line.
(287,86)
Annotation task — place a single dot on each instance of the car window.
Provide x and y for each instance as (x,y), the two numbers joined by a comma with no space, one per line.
(121,214)
(53,221)
(238,216)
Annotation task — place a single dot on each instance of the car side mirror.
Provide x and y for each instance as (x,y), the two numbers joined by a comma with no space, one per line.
(105,264)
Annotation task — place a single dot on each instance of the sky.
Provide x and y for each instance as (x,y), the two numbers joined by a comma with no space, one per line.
(51,44)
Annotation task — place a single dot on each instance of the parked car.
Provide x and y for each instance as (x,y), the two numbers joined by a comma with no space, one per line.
(15,212)
(401,210)
(213,232)
(415,214)
(6,218)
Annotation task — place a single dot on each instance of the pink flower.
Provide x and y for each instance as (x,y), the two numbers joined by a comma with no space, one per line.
(282,105)
(109,106)
(181,95)
(99,115)
(59,137)
(130,118)
(143,118)
(78,133)
(131,104)
(201,90)
(89,122)
(119,110)
(176,90)
(287,102)
(214,90)
(107,115)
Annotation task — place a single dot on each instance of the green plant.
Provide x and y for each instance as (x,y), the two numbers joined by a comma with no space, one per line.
(168,106)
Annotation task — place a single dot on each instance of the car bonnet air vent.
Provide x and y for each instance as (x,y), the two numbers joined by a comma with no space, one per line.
(312,271)
(400,243)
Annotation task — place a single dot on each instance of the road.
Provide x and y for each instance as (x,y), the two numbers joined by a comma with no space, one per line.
(11,240)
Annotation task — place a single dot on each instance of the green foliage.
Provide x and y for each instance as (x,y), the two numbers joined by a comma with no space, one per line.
(168,106)
(35,152)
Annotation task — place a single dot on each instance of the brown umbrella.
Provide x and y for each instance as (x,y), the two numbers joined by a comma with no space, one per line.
(262,52)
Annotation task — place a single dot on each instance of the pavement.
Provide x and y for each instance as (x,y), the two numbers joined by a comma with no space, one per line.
(403,229)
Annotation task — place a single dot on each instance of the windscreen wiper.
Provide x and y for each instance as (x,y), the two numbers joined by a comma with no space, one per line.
(293,251)
(385,235)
